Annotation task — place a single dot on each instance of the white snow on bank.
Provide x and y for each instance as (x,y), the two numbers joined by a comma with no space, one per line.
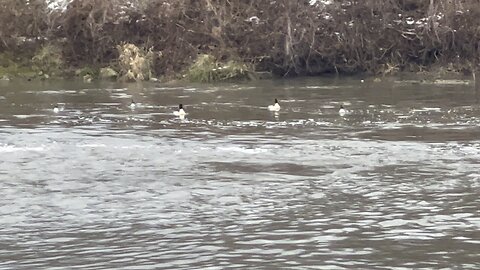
(58,4)
(325,2)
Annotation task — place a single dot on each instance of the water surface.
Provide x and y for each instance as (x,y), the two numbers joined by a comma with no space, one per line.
(392,185)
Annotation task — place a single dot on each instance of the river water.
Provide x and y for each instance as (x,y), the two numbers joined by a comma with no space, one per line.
(394,184)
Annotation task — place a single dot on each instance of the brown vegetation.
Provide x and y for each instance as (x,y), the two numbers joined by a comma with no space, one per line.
(283,36)
(134,63)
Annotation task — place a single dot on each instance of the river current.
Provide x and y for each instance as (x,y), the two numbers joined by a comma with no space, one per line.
(394,184)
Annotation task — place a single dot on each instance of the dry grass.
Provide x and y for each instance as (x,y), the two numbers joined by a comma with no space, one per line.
(135,63)
(207,69)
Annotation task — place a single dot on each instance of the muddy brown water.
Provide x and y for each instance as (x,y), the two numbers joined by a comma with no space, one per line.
(394,184)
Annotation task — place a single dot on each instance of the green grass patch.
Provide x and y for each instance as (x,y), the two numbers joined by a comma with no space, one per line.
(48,60)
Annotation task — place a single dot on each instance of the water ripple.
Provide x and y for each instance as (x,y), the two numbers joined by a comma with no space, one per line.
(393,185)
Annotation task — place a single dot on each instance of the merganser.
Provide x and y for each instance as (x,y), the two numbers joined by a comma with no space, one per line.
(275,107)
(342,111)
(133,105)
(181,112)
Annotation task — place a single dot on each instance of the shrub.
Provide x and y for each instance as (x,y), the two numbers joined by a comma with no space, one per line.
(48,60)
(135,63)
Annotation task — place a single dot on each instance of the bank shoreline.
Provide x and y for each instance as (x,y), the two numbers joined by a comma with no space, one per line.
(209,41)
(437,76)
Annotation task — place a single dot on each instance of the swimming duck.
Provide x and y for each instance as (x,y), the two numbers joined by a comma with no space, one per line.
(133,105)
(342,111)
(56,109)
(275,107)
(180,111)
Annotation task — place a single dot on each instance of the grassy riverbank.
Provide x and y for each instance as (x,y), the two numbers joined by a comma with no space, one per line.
(213,40)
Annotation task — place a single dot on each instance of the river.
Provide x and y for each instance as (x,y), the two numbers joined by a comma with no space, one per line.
(394,184)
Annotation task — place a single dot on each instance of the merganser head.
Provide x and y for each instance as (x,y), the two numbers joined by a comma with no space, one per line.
(276,101)
(180,106)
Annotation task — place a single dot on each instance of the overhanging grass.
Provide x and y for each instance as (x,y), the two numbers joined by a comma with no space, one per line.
(207,69)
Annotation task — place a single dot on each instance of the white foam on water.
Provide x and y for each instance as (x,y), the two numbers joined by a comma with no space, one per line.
(121,95)
(243,150)
(13,148)
(24,116)
(91,145)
